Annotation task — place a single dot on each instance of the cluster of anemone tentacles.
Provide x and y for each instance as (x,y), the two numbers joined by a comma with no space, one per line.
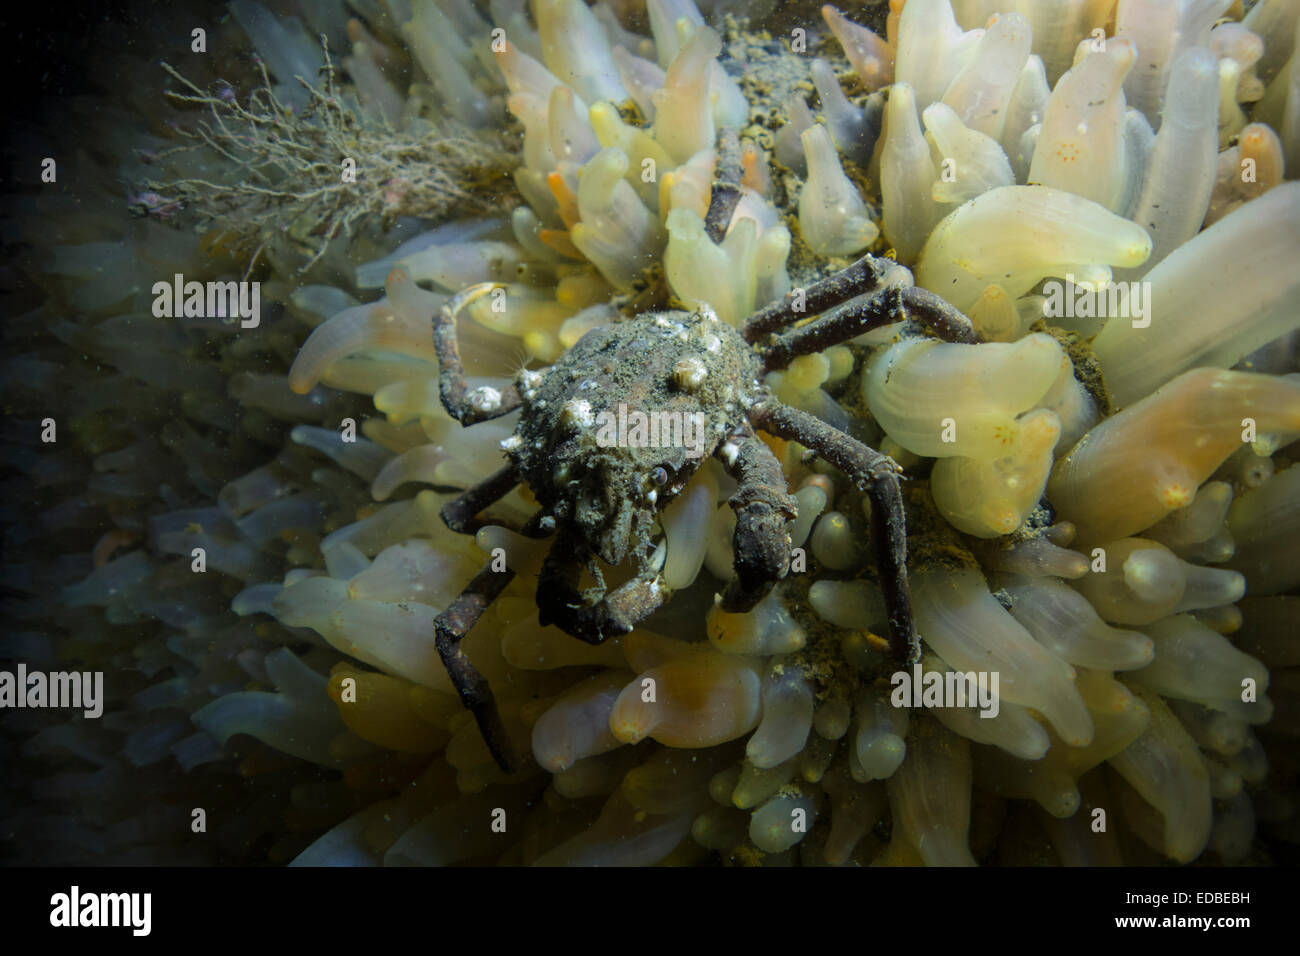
(1102,507)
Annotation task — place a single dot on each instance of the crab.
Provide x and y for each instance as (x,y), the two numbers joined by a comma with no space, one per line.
(599,499)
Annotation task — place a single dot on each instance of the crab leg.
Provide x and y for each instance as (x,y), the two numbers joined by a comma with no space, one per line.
(854,318)
(455,622)
(468,406)
(726,187)
(864,276)
(877,475)
(459,513)
(762,507)
(451,627)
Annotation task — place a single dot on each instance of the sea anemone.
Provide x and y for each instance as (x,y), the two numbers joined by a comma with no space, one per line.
(1102,492)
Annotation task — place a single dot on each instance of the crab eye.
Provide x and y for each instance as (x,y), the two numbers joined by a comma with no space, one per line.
(660,475)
